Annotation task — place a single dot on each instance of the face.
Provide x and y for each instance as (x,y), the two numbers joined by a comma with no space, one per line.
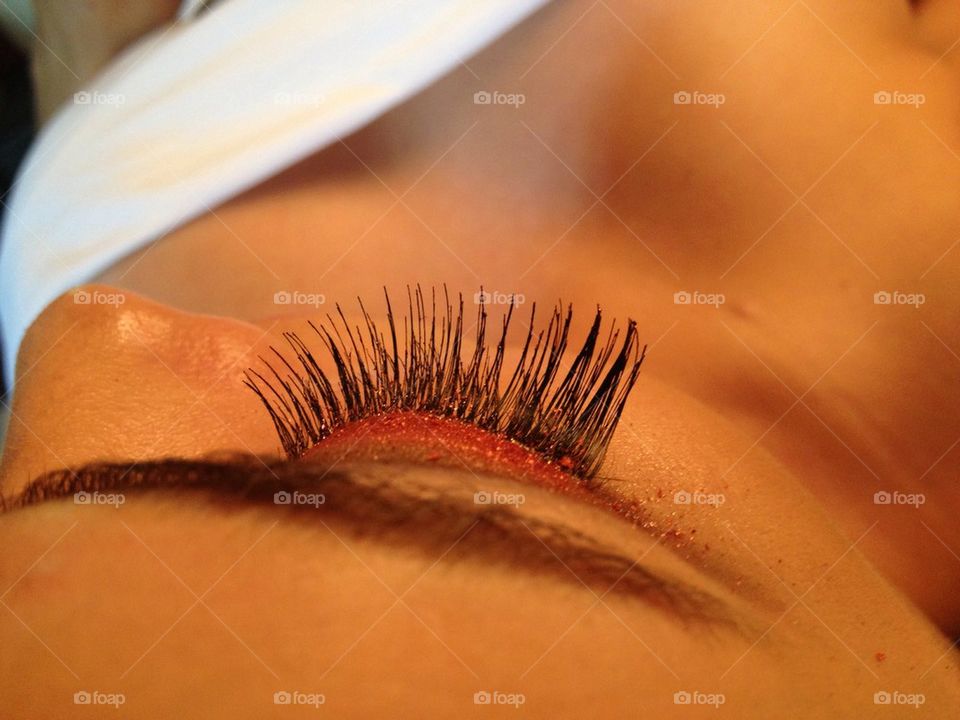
(753,571)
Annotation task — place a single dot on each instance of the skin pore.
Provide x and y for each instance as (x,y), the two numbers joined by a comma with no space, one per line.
(796,400)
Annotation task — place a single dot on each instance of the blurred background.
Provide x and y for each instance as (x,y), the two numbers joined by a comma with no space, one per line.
(16,101)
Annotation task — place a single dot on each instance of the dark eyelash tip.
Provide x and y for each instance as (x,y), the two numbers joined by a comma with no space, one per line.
(423,369)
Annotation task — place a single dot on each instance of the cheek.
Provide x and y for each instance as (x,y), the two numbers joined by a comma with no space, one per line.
(131,382)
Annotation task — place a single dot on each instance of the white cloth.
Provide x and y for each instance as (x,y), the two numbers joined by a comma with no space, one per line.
(201,111)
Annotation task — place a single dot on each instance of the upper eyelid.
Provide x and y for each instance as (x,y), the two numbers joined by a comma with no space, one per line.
(436,522)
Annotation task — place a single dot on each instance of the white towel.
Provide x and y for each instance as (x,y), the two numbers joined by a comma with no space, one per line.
(196,113)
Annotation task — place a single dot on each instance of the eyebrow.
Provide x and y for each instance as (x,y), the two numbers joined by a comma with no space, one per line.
(386,501)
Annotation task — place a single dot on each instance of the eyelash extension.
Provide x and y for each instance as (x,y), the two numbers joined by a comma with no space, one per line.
(427,370)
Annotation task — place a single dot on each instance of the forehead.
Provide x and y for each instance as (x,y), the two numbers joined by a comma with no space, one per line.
(158,595)
(162,594)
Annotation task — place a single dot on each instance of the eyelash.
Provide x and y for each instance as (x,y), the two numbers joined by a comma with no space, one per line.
(425,371)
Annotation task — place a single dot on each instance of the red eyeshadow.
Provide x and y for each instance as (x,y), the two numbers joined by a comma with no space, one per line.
(431,440)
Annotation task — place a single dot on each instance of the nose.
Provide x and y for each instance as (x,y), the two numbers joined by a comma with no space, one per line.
(106,374)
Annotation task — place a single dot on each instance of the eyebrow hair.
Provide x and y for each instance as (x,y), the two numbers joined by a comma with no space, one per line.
(386,502)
